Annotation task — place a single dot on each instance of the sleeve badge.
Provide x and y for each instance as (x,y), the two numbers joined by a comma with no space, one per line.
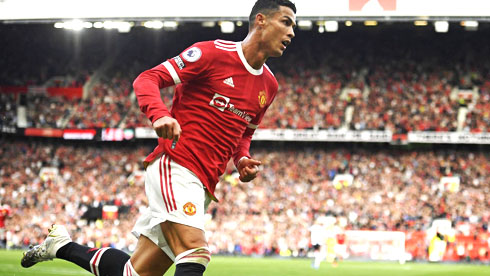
(192,55)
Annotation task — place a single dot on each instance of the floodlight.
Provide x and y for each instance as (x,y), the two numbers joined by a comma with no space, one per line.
(74,24)
(331,26)
(98,25)
(124,27)
(208,24)
(441,26)
(227,27)
(420,23)
(305,24)
(370,23)
(154,24)
(170,25)
(470,25)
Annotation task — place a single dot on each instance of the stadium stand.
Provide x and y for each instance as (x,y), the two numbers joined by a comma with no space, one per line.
(394,189)
(357,80)
(353,80)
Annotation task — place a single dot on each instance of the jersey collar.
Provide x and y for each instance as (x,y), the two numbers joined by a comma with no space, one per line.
(245,63)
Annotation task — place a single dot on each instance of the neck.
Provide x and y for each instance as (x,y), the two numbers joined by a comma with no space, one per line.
(252,51)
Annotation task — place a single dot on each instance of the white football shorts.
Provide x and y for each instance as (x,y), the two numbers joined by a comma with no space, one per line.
(175,194)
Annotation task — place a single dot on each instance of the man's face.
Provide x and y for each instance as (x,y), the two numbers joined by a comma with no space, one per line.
(278,31)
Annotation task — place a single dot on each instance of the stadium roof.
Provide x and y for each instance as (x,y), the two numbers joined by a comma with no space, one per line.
(199,10)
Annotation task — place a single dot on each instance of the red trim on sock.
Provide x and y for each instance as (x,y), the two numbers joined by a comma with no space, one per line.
(95,261)
(92,249)
(197,256)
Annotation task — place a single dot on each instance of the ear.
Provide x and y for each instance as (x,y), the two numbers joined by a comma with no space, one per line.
(260,19)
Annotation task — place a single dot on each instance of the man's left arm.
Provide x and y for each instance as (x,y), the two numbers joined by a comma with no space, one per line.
(246,166)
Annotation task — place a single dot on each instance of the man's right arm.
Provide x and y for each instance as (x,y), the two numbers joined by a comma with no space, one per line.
(147,89)
(189,65)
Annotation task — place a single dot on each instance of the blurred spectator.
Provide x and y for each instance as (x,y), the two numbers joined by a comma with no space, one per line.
(8,110)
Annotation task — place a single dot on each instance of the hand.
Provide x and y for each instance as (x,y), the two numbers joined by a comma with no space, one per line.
(248,169)
(167,128)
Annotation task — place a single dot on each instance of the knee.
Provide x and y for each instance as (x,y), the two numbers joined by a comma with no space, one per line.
(193,241)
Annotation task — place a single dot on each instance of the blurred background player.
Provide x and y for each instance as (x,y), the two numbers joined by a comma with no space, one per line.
(5,212)
(331,231)
(340,246)
(223,90)
(324,234)
(317,239)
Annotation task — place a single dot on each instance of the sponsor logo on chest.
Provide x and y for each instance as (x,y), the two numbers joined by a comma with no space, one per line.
(222,103)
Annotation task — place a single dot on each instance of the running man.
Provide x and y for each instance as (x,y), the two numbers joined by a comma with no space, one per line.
(223,89)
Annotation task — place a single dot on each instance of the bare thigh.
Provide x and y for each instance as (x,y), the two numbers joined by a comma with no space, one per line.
(181,237)
(148,259)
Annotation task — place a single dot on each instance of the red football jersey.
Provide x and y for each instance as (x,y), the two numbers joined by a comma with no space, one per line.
(219,102)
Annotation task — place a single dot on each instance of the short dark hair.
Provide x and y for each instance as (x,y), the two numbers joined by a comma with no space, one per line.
(267,7)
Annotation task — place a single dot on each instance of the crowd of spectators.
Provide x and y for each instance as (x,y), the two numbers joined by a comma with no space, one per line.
(393,189)
(8,110)
(106,106)
(478,119)
(405,78)
(43,111)
(87,178)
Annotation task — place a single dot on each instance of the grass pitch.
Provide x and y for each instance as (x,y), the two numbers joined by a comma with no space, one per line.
(221,266)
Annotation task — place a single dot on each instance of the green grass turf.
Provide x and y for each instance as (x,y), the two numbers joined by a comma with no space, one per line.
(221,266)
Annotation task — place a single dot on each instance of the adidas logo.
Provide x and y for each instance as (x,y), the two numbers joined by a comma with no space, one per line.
(229,81)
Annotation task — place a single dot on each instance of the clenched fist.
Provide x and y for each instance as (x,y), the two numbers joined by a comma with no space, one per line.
(167,128)
(248,169)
